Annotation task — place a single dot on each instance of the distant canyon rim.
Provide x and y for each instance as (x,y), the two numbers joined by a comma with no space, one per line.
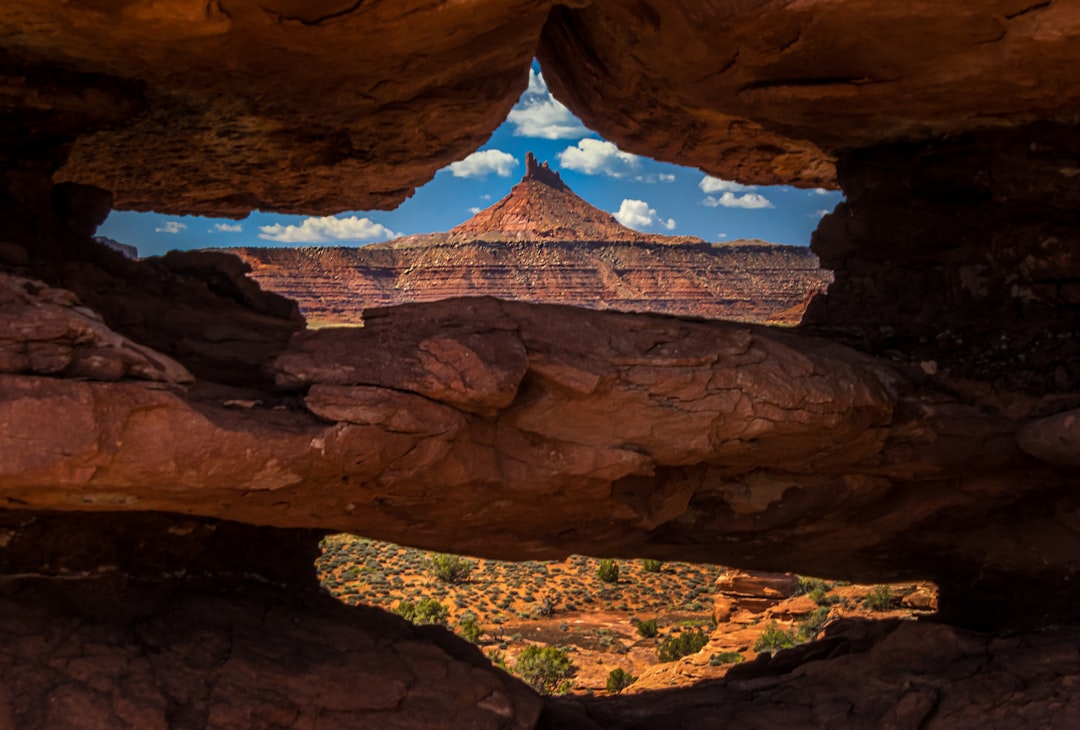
(175,442)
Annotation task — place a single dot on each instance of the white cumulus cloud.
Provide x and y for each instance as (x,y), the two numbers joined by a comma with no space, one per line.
(599,157)
(483,163)
(638,215)
(326,229)
(227,228)
(666,177)
(819,191)
(710,184)
(474,210)
(171,227)
(538,114)
(750,201)
(819,214)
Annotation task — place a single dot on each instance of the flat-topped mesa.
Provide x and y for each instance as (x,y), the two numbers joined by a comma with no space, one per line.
(543,208)
(540,172)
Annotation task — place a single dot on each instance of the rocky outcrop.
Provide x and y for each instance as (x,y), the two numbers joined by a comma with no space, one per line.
(542,243)
(864,675)
(964,253)
(940,449)
(444,424)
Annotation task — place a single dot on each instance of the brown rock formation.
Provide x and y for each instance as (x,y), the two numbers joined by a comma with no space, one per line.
(527,430)
(864,675)
(542,243)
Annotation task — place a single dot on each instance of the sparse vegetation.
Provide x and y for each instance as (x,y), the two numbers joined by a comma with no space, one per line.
(544,669)
(507,604)
(468,627)
(881,598)
(646,628)
(451,568)
(726,657)
(424,611)
(608,571)
(651,566)
(774,639)
(618,680)
(808,585)
(684,644)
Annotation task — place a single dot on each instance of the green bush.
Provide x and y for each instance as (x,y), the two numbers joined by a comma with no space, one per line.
(424,611)
(451,568)
(608,571)
(469,628)
(821,597)
(618,680)
(812,624)
(544,669)
(726,657)
(647,628)
(880,598)
(651,566)
(775,638)
(685,644)
(807,585)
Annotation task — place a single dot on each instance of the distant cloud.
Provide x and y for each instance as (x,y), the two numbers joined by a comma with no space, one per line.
(819,191)
(750,201)
(819,214)
(710,184)
(474,210)
(171,227)
(666,177)
(327,229)
(483,163)
(485,196)
(599,157)
(638,215)
(227,228)
(721,235)
(538,114)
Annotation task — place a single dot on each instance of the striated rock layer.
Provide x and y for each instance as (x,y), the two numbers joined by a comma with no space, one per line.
(542,243)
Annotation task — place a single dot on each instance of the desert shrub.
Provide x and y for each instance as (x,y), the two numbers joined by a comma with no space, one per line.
(545,606)
(821,597)
(726,657)
(469,628)
(880,598)
(497,658)
(544,669)
(424,611)
(807,585)
(618,680)
(608,571)
(651,566)
(775,638)
(646,628)
(451,568)
(685,644)
(812,624)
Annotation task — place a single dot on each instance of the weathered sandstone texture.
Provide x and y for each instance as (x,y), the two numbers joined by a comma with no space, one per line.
(965,251)
(936,444)
(447,424)
(164,621)
(771,91)
(865,675)
(542,243)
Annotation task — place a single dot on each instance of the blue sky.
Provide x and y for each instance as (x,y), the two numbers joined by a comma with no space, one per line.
(644,194)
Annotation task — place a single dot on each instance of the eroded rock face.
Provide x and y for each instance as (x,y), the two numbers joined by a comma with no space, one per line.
(769,92)
(963,252)
(865,675)
(300,107)
(446,425)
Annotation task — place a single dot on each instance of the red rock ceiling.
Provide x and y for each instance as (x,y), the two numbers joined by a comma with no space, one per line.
(220,107)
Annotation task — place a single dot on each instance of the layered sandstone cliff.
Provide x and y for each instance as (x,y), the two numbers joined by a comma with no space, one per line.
(543,243)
